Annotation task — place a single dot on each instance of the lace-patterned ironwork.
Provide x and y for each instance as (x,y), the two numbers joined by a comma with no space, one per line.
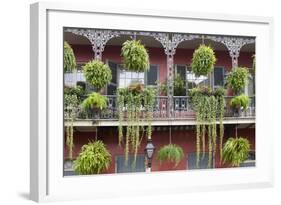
(170,42)
(233,44)
(98,38)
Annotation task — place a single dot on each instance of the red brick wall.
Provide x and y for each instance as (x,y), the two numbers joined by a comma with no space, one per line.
(185,138)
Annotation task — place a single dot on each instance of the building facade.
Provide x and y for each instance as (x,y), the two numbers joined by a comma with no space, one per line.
(170,55)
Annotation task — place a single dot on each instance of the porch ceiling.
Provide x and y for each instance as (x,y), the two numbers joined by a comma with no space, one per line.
(151,42)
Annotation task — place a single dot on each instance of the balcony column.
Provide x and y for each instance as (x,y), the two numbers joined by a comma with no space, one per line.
(233,44)
(98,38)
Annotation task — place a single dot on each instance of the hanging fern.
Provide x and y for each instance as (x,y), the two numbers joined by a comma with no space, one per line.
(137,102)
(135,56)
(69,60)
(97,73)
(95,100)
(236,151)
(172,153)
(208,106)
(203,60)
(240,102)
(94,158)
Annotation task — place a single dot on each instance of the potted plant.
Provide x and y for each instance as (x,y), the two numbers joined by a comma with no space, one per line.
(95,102)
(94,158)
(97,73)
(135,56)
(69,60)
(239,103)
(235,151)
(203,60)
(237,79)
(170,153)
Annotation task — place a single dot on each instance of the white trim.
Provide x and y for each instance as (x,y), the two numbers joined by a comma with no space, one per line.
(157,122)
(47,182)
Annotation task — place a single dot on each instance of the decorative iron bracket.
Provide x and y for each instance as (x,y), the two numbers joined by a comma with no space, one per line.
(233,44)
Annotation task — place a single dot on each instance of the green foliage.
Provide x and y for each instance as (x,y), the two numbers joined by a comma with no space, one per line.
(131,100)
(179,86)
(97,73)
(240,102)
(171,152)
(69,60)
(237,79)
(95,100)
(178,83)
(94,158)
(203,60)
(71,102)
(208,105)
(135,56)
(236,151)
(76,90)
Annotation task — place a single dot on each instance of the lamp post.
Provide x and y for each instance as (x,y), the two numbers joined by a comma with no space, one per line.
(149,150)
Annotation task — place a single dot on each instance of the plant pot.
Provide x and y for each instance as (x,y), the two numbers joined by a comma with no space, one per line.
(236,112)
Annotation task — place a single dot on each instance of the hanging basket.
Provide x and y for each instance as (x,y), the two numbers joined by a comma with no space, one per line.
(135,56)
(69,60)
(203,60)
(235,151)
(170,153)
(97,73)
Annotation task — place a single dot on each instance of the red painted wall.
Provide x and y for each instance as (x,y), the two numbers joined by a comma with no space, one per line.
(185,138)
(157,56)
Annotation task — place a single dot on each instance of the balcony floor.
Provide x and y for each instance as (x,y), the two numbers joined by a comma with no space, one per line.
(159,122)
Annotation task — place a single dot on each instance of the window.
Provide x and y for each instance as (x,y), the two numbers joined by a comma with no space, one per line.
(218,76)
(127,77)
(216,80)
(152,75)
(250,87)
(71,78)
(192,158)
(121,167)
(112,86)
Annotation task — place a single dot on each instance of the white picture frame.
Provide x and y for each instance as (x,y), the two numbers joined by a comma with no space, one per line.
(46,142)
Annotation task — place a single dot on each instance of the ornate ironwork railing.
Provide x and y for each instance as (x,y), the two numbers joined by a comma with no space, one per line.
(182,109)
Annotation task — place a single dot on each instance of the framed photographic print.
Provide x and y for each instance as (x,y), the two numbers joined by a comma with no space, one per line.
(147,101)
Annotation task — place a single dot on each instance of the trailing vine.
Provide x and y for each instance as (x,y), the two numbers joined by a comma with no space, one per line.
(208,106)
(70,103)
(135,107)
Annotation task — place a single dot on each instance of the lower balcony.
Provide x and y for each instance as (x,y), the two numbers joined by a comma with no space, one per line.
(182,113)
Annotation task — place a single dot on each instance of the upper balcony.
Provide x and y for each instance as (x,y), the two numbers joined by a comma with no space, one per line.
(182,114)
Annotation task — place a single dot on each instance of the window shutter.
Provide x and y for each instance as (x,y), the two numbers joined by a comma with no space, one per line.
(123,168)
(152,75)
(218,76)
(203,163)
(112,86)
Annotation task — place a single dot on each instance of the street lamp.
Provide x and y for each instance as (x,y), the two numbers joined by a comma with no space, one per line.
(149,150)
